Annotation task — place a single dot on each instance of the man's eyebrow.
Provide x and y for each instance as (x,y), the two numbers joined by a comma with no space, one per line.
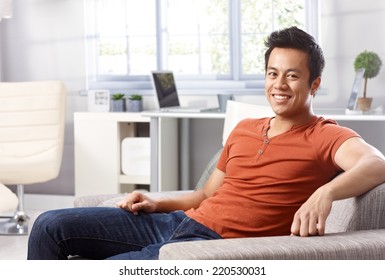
(294,70)
(287,70)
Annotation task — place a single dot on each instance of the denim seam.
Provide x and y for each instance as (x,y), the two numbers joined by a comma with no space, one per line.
(102,239)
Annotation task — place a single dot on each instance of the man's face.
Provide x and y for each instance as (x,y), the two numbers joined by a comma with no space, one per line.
(287,82)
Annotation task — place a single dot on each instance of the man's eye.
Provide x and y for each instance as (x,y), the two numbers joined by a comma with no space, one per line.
(292,76)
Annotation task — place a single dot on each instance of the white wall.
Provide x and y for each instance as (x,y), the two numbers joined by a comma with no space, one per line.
(348,28)
(45,40)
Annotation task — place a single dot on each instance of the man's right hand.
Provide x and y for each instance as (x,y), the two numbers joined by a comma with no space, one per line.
(137,201)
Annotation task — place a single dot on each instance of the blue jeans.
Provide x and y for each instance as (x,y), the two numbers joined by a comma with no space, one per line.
(110,233)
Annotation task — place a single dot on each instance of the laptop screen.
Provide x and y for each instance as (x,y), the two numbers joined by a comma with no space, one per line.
(165,88)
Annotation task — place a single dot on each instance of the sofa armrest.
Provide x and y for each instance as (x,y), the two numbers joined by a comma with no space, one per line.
(368,244)
(109,200)
(365,212)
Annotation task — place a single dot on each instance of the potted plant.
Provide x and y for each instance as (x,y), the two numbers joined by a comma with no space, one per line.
(371,62)
(135,103)
(117,102)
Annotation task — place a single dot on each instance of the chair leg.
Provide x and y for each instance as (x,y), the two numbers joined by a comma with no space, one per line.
(18,224)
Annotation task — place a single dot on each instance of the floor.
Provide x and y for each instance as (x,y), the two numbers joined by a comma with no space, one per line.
(15,247)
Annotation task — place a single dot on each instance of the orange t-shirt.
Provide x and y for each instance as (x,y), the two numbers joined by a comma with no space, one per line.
(267,180)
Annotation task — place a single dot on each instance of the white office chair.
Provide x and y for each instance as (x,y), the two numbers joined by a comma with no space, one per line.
(32,119)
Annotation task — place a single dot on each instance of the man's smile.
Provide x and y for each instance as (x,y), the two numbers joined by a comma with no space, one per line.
(281,96)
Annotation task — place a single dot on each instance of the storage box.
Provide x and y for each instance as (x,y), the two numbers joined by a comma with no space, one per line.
(136,156)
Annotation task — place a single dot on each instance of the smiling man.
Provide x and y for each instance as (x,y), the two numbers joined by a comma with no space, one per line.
(275,176)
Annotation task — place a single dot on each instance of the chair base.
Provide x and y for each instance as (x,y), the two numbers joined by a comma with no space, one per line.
(18,225)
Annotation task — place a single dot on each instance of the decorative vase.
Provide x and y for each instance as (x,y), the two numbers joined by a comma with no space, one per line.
(364,103)
(118,105)
(134,105)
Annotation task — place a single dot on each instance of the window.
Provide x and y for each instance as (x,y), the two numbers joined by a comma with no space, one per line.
(207,41)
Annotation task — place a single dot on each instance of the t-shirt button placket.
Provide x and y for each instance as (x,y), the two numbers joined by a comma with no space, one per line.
(260,151)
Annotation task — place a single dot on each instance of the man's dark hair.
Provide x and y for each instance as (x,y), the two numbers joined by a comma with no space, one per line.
(296,38)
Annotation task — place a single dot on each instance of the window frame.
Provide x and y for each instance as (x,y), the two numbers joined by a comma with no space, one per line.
(188,84)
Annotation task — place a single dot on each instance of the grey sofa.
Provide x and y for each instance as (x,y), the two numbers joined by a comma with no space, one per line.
(355,229)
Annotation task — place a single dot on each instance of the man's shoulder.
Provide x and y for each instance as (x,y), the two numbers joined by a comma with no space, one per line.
(328,124)
(253,121)
(331,127)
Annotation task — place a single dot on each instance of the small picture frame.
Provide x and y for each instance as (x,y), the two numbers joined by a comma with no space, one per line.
(352,104)
(99,100)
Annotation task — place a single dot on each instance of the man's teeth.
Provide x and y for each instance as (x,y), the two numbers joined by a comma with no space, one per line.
(281,97)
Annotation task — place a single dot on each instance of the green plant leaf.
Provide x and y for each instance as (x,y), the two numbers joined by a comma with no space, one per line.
(135,97)
(370,61)
(117,96)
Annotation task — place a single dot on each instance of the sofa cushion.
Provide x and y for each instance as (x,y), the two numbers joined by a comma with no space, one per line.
(359,213)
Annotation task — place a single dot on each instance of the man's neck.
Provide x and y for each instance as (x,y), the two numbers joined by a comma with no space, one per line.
(279,124)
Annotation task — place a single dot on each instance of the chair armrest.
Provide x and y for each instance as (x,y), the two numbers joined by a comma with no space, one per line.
(368,244)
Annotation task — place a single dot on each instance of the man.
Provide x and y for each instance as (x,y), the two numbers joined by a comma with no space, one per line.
(275,176)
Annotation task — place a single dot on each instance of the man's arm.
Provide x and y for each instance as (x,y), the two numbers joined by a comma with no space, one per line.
(137,201)
(364,168)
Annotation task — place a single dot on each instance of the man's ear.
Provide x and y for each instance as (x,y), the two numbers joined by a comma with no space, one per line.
(315,85)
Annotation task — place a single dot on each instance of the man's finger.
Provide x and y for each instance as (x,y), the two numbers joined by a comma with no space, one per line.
(295,226)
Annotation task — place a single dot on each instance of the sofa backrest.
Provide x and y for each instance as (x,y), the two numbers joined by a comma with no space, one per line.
(358,213)
(208,170)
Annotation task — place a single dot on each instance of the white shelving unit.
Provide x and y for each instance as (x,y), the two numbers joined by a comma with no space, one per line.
(98,137)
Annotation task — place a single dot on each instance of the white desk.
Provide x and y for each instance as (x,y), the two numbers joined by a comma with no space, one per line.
(340,115)
(157,137)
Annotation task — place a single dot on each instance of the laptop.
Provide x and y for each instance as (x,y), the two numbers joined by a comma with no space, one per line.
(167,94)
